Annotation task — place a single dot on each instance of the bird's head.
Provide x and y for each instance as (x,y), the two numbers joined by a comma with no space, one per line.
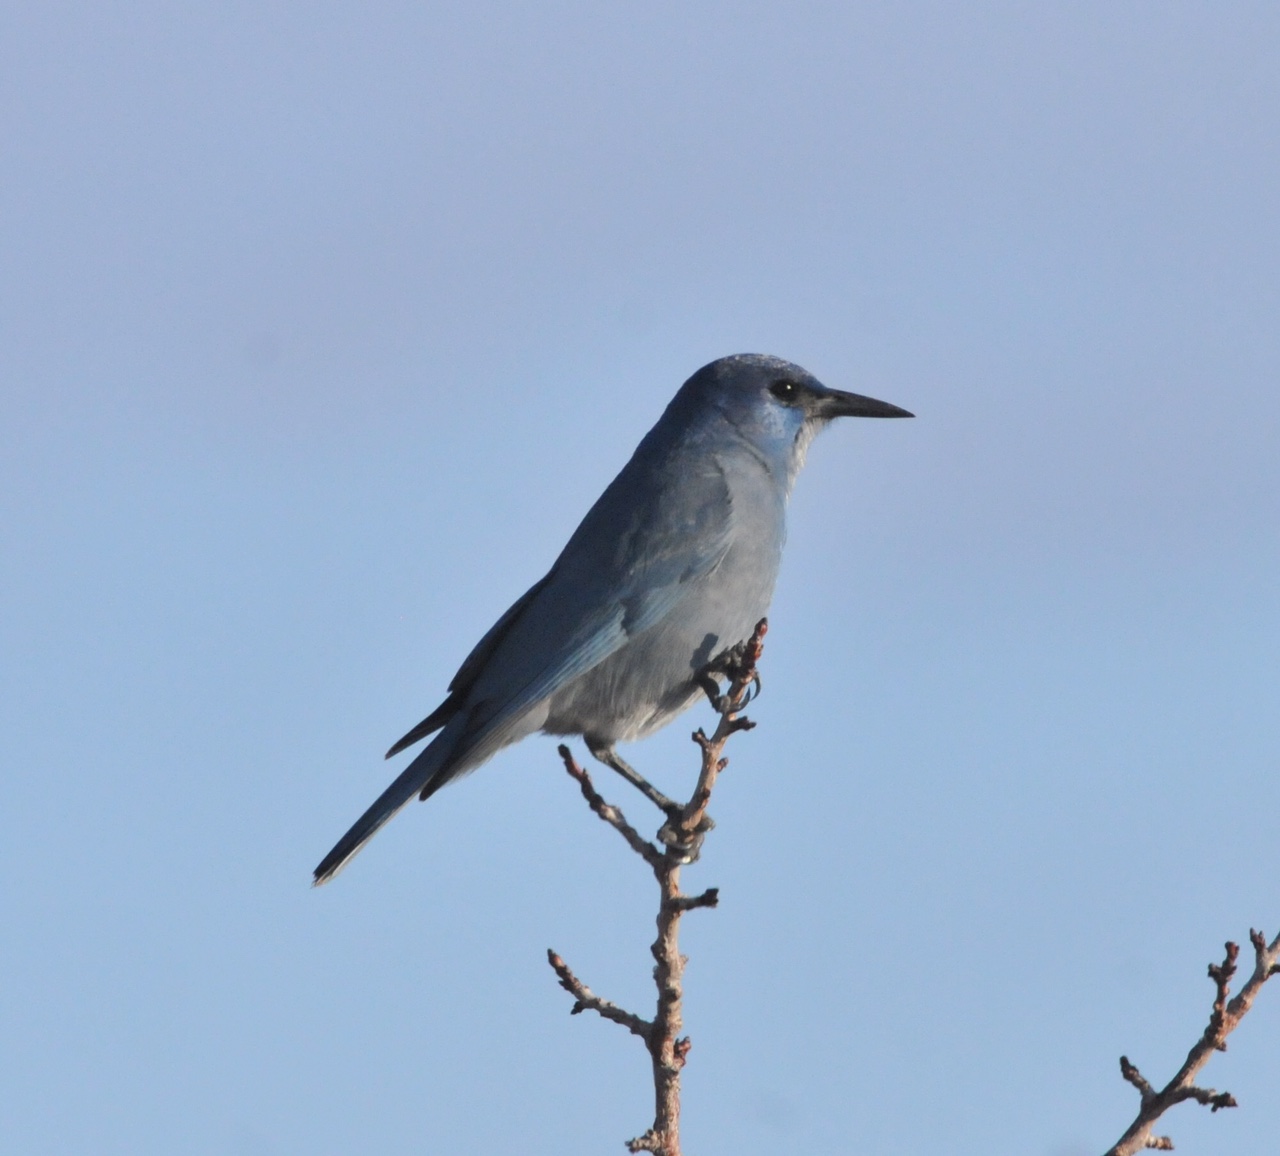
(776,406)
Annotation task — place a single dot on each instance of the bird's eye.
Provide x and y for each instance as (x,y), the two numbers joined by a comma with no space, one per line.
(785,391)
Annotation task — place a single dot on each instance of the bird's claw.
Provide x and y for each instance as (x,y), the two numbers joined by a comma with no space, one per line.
(684,846)
(752,692)
(720,703)
(711,688)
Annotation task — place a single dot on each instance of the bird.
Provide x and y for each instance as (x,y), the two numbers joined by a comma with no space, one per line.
(674,564)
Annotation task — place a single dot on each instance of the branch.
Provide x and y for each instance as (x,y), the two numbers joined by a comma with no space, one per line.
(1223,1020)
(608,812)
(682,836)
(587,1000)
(709,898)
(739,665)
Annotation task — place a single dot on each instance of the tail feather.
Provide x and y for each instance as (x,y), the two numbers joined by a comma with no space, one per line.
(416,777)
(456,750)
(433,722)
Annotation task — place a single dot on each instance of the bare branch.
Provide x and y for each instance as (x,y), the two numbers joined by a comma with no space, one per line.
(1223,1020)
(709,898)
(682,836)
(609,813)
(1138,1080)
(587,1000)
(739,666)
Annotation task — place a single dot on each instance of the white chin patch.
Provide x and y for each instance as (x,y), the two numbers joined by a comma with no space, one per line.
(804,438)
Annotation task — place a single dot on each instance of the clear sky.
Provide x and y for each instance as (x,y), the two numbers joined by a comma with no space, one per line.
(321,325)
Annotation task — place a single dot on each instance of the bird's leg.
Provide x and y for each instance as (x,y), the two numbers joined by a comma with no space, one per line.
(606,754)
(686,850)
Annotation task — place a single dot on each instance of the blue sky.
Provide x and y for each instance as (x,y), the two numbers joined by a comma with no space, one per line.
(322,325)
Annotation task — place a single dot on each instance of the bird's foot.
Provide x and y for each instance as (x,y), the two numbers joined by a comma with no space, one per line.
(732,670)
(684,846)
(711,688)
(752,692)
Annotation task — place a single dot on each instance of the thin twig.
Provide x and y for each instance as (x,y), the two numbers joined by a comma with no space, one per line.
(587,1000)
(608,812)
(682,837)
(1223,1020)
(709,898)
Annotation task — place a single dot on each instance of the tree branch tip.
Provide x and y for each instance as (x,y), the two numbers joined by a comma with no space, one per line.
(571,764)
(1208,1097)
(1222,973)
(1161,1143)
(709,898)
(755,644)
(1131,1074)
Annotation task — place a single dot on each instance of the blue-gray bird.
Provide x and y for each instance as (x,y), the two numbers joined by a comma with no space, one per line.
(675,563)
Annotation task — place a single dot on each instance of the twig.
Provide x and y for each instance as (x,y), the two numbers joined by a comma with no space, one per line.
(682,836)
(587,1000)
(608,812)
(1223,1020)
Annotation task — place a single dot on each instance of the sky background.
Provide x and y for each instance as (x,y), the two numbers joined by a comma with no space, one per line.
(321,325)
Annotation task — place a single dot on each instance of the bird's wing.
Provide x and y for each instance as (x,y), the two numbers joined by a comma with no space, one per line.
(474,662)
(629,563)
(633,559)
(471,666)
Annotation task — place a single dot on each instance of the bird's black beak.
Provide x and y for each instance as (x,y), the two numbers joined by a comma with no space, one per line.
(837,403)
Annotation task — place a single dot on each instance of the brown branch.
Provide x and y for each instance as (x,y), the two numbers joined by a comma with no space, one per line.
(682,836)
(587,1000)
(1223,1020)
(709,898)
(608,812)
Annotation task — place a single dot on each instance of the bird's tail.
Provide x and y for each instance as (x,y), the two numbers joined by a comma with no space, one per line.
(420,777)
